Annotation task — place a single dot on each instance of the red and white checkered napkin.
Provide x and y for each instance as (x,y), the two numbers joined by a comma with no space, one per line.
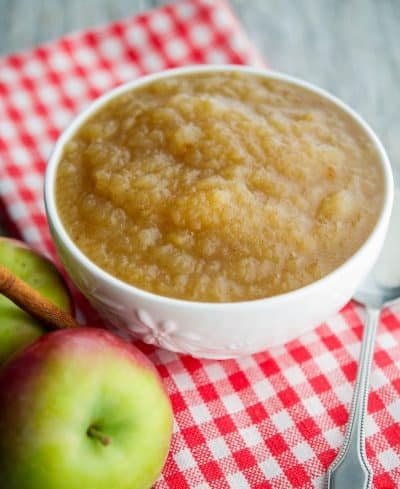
(272,420)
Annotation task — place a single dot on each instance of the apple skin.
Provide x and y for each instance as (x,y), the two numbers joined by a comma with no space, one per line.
(17,328)
(66,382)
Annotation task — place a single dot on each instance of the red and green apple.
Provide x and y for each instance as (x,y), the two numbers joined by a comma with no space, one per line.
(82,409)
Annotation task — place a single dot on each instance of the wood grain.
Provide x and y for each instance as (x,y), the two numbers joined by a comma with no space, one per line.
(349,47)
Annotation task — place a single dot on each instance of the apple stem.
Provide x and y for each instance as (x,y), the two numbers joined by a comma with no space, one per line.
(94,432)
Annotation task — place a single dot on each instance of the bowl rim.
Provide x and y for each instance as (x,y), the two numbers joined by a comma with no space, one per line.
(55,156)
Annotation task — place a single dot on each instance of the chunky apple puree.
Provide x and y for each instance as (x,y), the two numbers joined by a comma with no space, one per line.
(219,187)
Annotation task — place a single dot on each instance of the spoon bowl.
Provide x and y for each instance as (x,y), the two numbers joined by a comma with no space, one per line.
(375,295)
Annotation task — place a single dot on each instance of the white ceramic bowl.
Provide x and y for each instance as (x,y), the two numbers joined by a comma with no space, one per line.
(213,330)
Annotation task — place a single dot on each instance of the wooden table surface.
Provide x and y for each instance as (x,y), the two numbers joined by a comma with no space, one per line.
(350,47)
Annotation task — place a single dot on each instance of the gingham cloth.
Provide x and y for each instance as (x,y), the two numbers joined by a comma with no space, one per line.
(272,420)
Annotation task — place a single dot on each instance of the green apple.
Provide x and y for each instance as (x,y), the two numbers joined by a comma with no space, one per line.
(82,409)
(17,328)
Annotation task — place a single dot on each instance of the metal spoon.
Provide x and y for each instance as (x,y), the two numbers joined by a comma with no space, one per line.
(382,286)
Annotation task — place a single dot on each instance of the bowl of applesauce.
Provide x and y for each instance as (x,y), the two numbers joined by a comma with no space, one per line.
(218,210)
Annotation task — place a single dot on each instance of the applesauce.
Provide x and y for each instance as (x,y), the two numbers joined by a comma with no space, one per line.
(219,187)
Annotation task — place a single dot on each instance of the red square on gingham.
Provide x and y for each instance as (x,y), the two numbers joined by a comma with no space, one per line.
(272,420)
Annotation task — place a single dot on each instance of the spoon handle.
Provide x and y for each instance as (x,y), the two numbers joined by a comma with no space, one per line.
(351,468)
